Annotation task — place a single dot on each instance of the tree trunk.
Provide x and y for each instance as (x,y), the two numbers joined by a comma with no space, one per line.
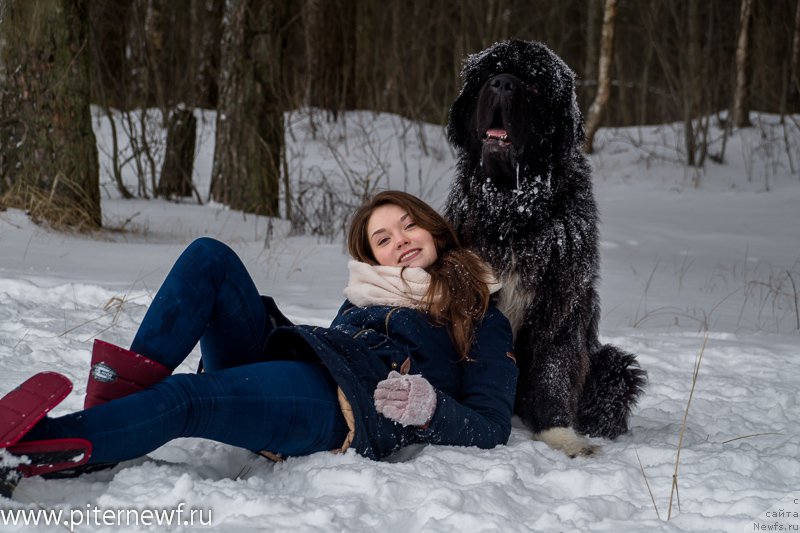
(176,173)
(741,117)
(642,115)
(795,66)
(591,53)
(626,114)
(330,41)
(155,28)
(246,169)
(313,22)
(691,89)
(108,21)
(205,38)
(48,152)
(364,85)
(139,83)
(175,61)
(604,74)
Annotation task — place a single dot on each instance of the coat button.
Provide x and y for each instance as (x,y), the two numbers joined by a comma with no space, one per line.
(394,366)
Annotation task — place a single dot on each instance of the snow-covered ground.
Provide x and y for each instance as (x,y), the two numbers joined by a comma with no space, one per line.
(684,254)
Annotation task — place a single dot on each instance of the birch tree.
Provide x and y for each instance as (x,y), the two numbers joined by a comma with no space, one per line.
(595,114)
(741,113)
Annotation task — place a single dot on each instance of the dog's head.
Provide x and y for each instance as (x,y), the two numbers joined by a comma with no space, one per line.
(517,107)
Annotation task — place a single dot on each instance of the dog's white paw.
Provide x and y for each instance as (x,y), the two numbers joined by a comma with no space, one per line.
(569,442)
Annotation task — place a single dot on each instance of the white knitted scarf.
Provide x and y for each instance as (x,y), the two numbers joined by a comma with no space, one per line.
(384,285)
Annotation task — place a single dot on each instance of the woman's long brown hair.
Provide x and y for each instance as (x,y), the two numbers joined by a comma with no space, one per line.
(458,296)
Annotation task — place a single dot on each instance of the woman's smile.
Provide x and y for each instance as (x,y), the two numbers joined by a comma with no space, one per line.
(409,255)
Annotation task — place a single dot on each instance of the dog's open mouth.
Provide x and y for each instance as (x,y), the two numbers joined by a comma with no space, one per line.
(497,133)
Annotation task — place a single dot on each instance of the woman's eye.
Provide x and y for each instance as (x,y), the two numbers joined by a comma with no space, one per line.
(383,241)
(411,226)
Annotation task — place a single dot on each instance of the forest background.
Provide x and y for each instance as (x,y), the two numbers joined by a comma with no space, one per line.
(690,62)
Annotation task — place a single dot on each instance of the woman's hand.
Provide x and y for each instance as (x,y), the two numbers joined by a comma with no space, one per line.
(407,399)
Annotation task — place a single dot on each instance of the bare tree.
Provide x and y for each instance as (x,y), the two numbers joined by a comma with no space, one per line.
(604,74)
(48,152)
(741,113)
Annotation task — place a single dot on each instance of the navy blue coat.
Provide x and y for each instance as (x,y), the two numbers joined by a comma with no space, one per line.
(474,399)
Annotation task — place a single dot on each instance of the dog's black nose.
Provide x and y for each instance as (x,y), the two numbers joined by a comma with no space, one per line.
(505,84)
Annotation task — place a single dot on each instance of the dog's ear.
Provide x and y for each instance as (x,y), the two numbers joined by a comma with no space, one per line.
(576,131)
(570,127)
(477,68)
(459,118)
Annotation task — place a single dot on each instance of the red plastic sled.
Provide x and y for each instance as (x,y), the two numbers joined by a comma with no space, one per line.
(24,406)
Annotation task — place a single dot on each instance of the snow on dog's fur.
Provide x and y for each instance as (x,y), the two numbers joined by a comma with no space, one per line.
(522,197)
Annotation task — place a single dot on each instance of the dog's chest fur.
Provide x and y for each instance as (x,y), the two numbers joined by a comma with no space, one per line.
(513,299)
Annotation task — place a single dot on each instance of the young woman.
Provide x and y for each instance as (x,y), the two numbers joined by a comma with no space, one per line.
(416,354)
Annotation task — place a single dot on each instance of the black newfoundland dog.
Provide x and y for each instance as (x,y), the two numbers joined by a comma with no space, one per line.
(522,198)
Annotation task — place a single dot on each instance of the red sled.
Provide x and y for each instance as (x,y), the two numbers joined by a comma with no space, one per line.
(54,455)
(20,410)
(24,406)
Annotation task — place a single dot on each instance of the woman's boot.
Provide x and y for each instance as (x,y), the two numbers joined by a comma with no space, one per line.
(117,372)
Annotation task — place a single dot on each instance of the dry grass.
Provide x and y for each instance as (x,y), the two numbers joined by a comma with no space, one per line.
(647,483)
(695,373)
(65,210)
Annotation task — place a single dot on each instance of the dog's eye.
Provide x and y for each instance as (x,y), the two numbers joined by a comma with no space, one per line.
(532,88)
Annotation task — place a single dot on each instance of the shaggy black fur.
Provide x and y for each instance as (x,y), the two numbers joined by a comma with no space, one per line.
(523,199)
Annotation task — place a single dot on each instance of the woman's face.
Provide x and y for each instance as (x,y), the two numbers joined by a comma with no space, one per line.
(396,240)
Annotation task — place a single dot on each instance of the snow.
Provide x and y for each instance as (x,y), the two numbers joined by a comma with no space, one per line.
(684,253)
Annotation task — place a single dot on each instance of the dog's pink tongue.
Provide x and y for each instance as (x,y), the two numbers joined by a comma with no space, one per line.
(496,132)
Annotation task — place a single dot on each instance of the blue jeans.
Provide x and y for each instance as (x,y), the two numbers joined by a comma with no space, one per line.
(286,407)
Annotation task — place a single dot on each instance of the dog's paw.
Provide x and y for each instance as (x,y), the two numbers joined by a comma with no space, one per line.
(567,441)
